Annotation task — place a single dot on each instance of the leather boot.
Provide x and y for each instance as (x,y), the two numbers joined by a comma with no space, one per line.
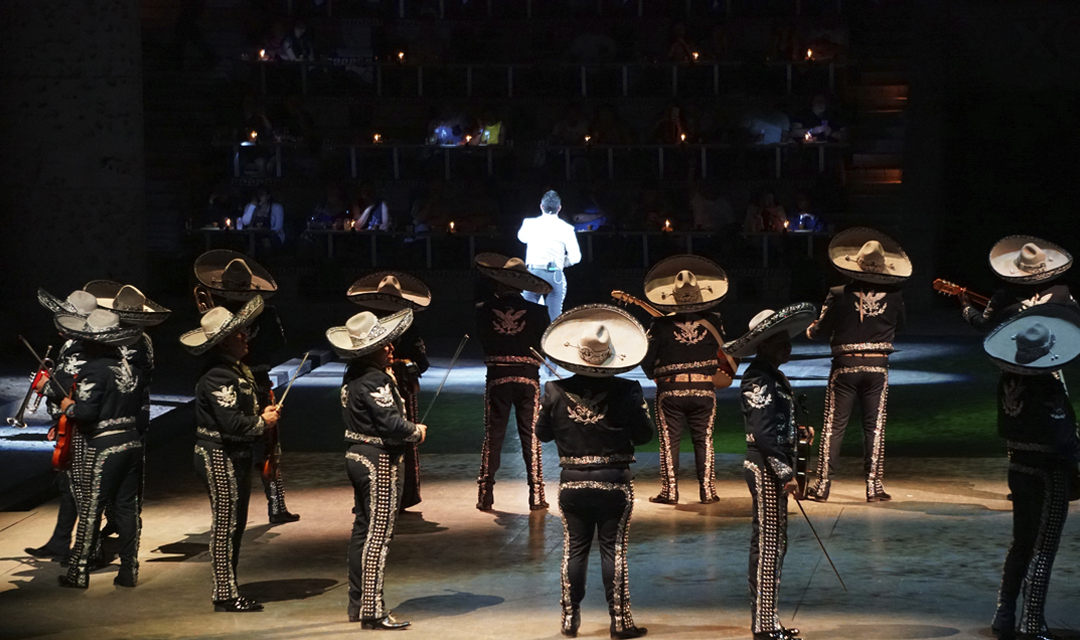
(627,633)
(571,621)
(239,605)
(385,623)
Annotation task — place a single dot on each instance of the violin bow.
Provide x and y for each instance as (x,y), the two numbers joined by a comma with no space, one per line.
(453,361)
(544,360)
(299,368)
(820,543)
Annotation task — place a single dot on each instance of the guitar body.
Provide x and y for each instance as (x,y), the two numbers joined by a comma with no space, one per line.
(61,457)
(725,373)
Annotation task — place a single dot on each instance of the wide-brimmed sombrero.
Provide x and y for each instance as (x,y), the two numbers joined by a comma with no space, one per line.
(596,340)
(390,291)
(511,272)
(685,283)
(100,326)
(1027,259)
(1039,340)
(218,323)
(869,255)
(366,333)
(79,303)
(127,302)
(793,320)
(233,275)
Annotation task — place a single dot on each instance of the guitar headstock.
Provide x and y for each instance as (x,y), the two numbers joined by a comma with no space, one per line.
(948,288)
(623,297)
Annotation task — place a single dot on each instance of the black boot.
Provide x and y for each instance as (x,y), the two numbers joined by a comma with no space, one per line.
(665,498)
(385,623)
(283,517)
(486,498)
(571,621)
(47,552)
(627,633)
(239,605)
(706,498)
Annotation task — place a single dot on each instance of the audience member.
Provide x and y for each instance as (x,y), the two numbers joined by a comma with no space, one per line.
(490,129)
(768,126)
(805,218)
(298,44)
(449,128)
(670,128)
(330,210)
(681,49)
(370,212)
(765,215)
(263,213)
(653,212)
(223,205)
(821,121)
(572,128)
(709,209)
(273,45)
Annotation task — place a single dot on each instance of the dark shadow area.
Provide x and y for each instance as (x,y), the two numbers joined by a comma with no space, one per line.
(940,508)
(709,630)
(180,551)
(413,523)
(457,603)
(281,590)
(882,631)
(725,508)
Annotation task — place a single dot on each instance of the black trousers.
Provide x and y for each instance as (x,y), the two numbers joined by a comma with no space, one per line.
(601,508)
(410,493)
(112,469)
(226,473)
(376,476)
(520,394)
(66,516)
(851,378)
(1040,490)
(768,543)
(692,406)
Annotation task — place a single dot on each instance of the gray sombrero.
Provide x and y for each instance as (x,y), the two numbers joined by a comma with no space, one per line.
(100,326)
(1027,259)
(233,275)
(390,291)
(793,320)
(685,283)
(869,255)
(218,323)
(79,303)
(1039,340)
(511,272)
(127,302)
(596,340)
(365,333)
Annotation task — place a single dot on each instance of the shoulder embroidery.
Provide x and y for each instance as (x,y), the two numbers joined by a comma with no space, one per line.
(72,364)
(688,332)
(758,397)
(383,396)
(1035,300)
(226,396)
(1011,403)
(126,379)
(509,323)
(344,395)
(869,304)
(586,409)
(84,388)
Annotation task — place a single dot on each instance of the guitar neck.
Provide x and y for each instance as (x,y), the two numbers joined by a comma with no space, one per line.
(951,289)
(626,297)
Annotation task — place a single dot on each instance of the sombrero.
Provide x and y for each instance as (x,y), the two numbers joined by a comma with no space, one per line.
(233,275)
(596,340)
(127,302)
(685,283)
(511,272)
(869,255)
(390,291)
(365,333)
(793,320)
(1026,259)
(218,323)
(1039,340)
(100,326)
(79,303)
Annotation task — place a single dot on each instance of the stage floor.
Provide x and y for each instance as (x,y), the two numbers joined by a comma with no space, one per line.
(923,566)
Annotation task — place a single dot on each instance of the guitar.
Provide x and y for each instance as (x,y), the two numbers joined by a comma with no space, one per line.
(725,372)
(950,289)
(802,445)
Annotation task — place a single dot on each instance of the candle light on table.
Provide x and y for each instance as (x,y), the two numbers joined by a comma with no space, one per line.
(682,137)
(587,139)
(401,56)
(468,139)
(262,54)
(809,54)
(451,226)
(377,138)
(667,225)
(228,223)
(695,56)
(809,137)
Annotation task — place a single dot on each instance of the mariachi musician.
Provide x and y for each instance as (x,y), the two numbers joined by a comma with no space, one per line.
(768,407)
(231,279)
(860,320)
(229,420)
(683,358)
(389,292)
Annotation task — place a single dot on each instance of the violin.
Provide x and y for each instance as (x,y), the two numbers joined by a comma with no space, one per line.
(407,374)
(61,457)
(802,444)
(271,468)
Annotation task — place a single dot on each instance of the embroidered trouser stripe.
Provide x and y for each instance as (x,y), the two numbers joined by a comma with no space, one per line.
(603,509)
(697,408)
(870,385)
(376,478)
(1040,506)
(768,545)
(227,478)
(500,395)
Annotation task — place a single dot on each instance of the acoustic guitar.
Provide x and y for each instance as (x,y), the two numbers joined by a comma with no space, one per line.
(725,373)
(950,289)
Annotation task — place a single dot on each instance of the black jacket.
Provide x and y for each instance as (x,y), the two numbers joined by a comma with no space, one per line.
(595,422)
(226,405)
(372,409)
(860,318)
(768,408)
(1007,302)
(508,325)
(681,344)
(410,346)
(141,356)
(108,396)
(1035,416)
(69,362)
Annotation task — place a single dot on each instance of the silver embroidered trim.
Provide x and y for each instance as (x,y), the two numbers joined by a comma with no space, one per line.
(683,393)
(1011,402)
(758,397)
(779,468)
(688,333)
(383,396)
(226,396)
(524,360)
(684,366)
(1013,445)
(618,458)
(586,410)
(869,304)
(862,347)
(83,389)
(375,440)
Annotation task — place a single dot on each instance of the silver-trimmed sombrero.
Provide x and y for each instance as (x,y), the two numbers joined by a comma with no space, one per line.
(793,319)
(390,291)
(596,340)
(127,302)
(100,325)
(685,283)
(869,255)
(79,303)
(1038,340)
(1026,259)
(511,272)
(218,323)
(233,275)
(365,333)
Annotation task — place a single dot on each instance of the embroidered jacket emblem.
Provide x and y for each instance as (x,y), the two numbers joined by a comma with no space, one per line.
(688,332)
(383,396)
(586,410)
(1035,300)
(71,365)
(1011,403)
(509,323)
(226,396)
(758,397)
(126,380)
(84,388)
(870,304)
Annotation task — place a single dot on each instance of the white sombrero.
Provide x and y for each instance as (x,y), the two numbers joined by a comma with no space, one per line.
(79,303)
(365,333)
(1039,340)
(511,272)
(793,320)
(869,255)
(99,326)
(233,275)
(596,340)
(390,291)
(685,283)
(127,302)
(218,323)
(1027,259)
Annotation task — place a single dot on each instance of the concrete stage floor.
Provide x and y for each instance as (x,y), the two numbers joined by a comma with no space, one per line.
(923,566)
